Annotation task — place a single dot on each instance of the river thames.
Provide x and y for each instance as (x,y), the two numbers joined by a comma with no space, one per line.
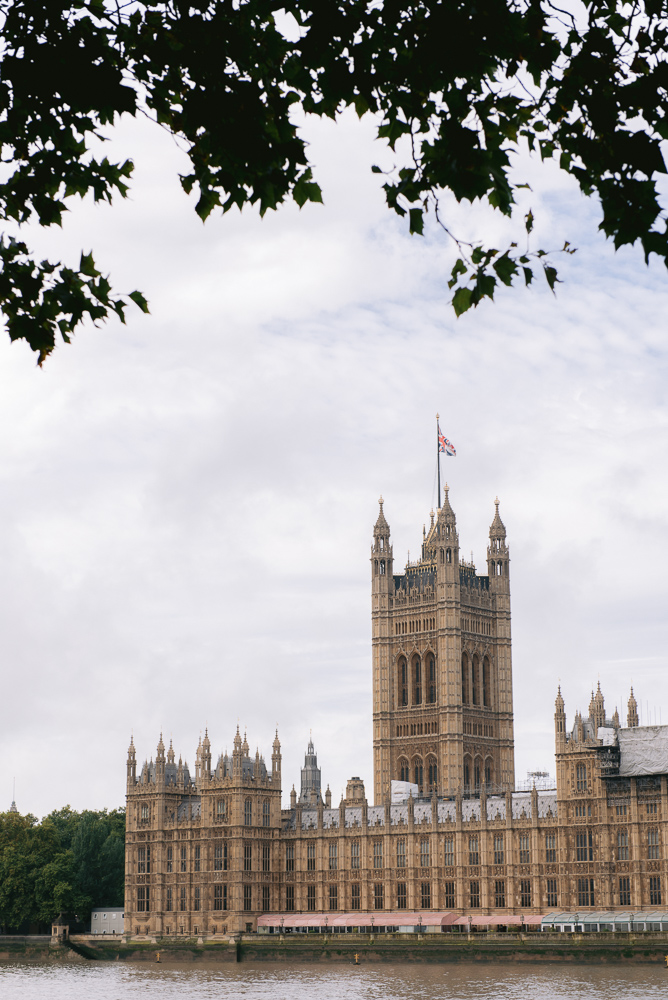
(331,982)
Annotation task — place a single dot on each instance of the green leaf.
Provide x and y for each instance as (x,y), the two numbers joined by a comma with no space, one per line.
(139,300)
(416,221)
(461,301)
(551,276)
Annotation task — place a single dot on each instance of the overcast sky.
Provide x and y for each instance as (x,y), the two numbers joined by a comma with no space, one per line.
(187,503)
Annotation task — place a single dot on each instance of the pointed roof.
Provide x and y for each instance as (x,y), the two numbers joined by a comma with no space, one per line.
(381,527)
(446,510)
(497,526)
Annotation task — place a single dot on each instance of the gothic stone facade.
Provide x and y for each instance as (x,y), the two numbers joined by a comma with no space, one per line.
(208,854)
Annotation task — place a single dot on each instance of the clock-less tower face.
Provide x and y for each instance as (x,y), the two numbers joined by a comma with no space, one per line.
(442,671)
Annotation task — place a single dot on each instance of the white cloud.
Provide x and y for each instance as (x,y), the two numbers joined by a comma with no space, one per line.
(187,503)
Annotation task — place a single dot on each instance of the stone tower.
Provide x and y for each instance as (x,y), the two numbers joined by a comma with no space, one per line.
(311,778)
(442,670)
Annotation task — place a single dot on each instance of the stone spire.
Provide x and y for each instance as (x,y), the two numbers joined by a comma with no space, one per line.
(311,777)
(244,745)
(170,753)
(132,762)
(276,760)
(559,719)
(599,708)
(632,715)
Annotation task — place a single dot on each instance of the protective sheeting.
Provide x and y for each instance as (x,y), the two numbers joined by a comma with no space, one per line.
(643,750)
(401,918)
(401,790)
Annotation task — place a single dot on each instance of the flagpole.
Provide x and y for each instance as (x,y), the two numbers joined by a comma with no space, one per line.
(438,465)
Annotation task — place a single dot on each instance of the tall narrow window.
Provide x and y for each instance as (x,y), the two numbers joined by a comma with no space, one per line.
(401,895)
(378,854)
(198,857)
(248,812)
(426,895)
(488,774)
(170,858)
(474,855)
(475,692)
(333,897)
(485,683)
(266,814)
(500,893)
(403,683)
(401,853)
(220,897)
(467,772)
(465,679)
(550,847)
(424,853)
(498,849)
(525,892)
(290,858)
(622,845)
(310,857)
(418,773)
(585,892)
(476,774)
(653,842)
(355,896)
(196,900)
(290,898)
(248,897)
(404,771)
(449,895)
(552,892)
(182,899)
(310,898)
(475,895)
(625,891)
(525,849)
(584,846)
(141,860)
(378,896)
(266,857)
(248,857)
(432,680)
(449,851)
(265,899)
(355,854)
(333,856)
(433,774)
(183,859)
(581,777)
(417,682)
(221,810)
(168,906)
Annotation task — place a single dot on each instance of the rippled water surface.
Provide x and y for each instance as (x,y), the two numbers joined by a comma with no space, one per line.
(370,982)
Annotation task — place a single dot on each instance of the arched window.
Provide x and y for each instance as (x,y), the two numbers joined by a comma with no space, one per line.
(382,567)
(433,774)
(404,770)
(488,773)
(248,812)
(476,773)
(418,772)
(448,555)
(493,567)
(485,683)
(442,555)
(432,680)
(265,813)
(417,682)
(475,687)
(403,682)
(467,772)
(465,679)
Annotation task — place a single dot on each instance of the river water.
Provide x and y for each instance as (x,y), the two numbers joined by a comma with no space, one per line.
(332,982)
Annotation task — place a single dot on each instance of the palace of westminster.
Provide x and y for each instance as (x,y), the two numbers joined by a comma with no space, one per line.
(211,853)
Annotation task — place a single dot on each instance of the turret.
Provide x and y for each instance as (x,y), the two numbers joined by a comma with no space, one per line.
(256,766)
(598,717)
(310,787)
(293,798)
(206,756)
(381,555)
(132,763)
(244,746)
(236,754)
(447,541)
(632,715)
(498,556)
(559,720)
(615,719)
(276,761)
(328,798)
(160,762)
(170,753)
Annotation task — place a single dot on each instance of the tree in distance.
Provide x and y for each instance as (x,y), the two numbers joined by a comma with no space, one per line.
(456,87)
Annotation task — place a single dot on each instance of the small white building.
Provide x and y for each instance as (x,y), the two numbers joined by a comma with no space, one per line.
(107,920)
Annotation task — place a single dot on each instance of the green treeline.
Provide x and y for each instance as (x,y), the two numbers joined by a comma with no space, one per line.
(68,862)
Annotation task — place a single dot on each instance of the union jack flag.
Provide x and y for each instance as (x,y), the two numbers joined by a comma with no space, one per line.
(445,446)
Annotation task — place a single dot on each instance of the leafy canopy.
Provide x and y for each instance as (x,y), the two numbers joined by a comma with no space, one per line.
(457,87)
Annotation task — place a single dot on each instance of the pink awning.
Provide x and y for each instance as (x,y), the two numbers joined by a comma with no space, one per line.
(401,918)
